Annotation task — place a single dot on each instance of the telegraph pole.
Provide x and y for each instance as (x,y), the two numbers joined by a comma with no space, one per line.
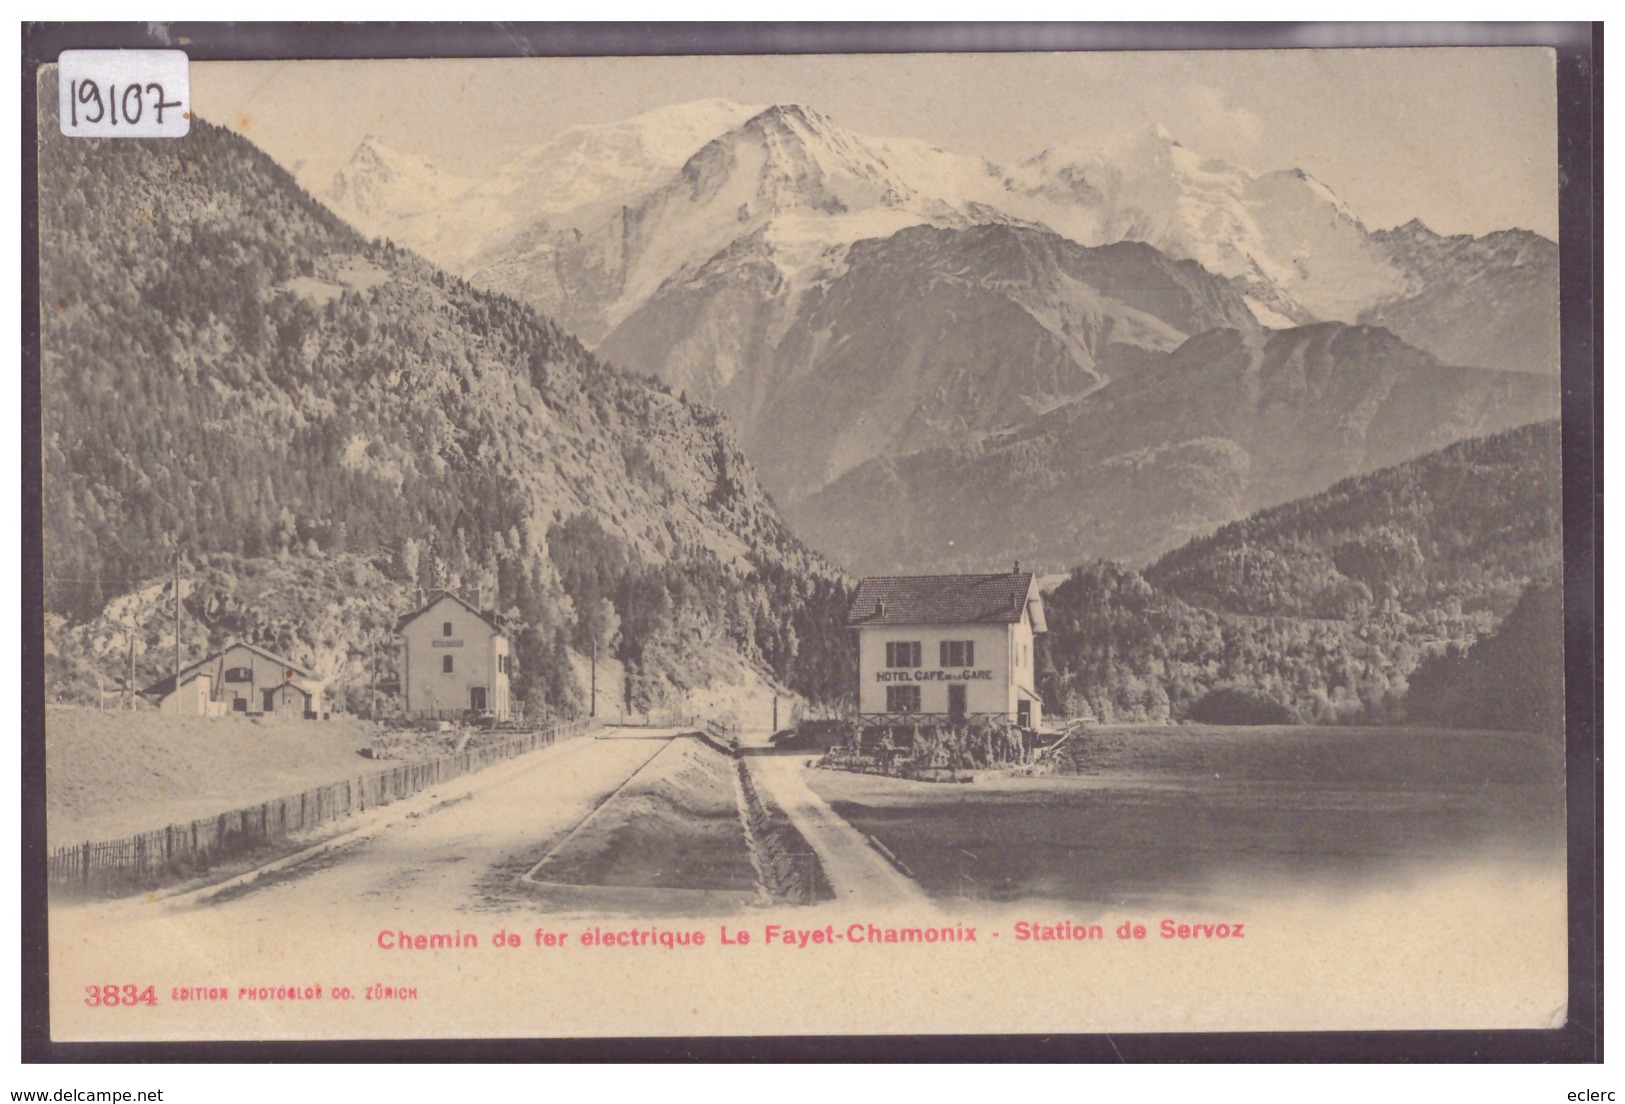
(177,627)
(592,710)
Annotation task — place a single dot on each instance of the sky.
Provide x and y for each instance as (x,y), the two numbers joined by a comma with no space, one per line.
(1464,138)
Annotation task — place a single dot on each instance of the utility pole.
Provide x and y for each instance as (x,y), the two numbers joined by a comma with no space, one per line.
(177,627)
(592,709)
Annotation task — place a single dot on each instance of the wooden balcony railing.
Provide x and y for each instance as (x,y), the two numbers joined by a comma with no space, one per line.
(909,720)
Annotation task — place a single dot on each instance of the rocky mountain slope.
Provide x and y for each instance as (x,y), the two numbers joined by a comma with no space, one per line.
(1490,302)
(1230,422)
(922,339)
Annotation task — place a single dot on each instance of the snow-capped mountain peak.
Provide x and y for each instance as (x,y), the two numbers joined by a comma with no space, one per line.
(627,156)
(798,157)
(1296,247)
(791,178)
(1323,192)
(372,148)
(573,179)
(380,185)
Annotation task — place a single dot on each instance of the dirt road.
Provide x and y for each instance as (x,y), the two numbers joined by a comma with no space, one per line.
(856,871)
(464,849)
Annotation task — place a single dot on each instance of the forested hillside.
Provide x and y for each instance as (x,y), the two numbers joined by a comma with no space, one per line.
(1512,678)
(233,376)
(1328,605)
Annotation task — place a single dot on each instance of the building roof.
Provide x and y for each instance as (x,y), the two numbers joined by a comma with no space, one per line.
(944,600)
(165,686)
(489,618)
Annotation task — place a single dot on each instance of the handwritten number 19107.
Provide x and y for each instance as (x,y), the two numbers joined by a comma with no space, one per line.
(130,103)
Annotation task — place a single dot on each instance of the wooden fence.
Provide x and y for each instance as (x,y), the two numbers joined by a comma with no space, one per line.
(657,718)
(181,850)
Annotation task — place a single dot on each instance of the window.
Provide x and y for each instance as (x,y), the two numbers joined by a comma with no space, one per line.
(238,674)
(239,705)
(445,628)
(902,653)
(902,699)
(957,653)
(445,664)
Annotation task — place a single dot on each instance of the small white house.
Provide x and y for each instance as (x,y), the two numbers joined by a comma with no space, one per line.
(239,678)
(947,648)
(454,660)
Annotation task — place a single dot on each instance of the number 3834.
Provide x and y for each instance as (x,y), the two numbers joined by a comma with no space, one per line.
(116,996)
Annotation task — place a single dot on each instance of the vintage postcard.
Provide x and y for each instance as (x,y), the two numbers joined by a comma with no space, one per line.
(795,545)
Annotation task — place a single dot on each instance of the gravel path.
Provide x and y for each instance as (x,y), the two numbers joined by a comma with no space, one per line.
(856,871)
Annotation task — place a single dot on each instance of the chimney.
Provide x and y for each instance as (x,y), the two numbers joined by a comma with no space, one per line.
(1017,568)
(880,609)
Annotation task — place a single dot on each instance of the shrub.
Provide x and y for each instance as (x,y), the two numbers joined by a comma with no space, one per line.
(1239,705)
(821,735)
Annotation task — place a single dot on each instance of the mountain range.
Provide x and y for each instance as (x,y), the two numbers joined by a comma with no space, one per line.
(866,310)
(591,223)
(1229,422)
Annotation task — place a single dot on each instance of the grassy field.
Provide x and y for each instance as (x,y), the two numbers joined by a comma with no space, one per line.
(675,825)
(117,773)
(1177,814)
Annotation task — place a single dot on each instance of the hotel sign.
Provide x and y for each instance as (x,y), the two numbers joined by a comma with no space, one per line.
(439,643)
(933,675)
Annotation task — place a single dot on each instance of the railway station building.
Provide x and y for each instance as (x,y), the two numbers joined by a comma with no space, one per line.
(947,648)
(239,678)
(455,661)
